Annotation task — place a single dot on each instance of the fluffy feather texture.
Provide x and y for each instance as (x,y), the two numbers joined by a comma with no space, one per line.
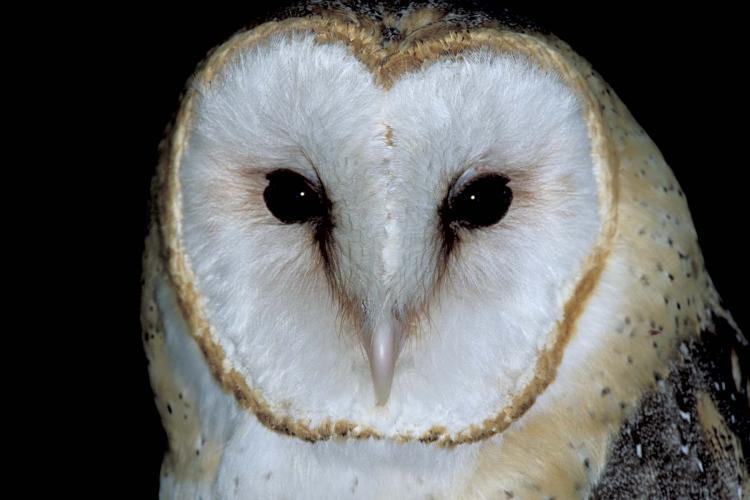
(482,316)
(233,455)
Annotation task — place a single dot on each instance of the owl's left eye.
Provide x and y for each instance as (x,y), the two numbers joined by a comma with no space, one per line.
(291,198)
(481,202)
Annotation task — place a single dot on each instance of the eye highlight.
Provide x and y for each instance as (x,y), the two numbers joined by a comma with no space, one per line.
(293,199)
(481,202)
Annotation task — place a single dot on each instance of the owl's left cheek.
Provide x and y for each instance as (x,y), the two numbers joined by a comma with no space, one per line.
(383,347)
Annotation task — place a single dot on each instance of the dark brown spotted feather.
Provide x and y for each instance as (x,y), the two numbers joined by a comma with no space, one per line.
(690,438)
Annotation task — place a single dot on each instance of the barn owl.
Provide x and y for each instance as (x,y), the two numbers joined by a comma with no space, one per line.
(416,251)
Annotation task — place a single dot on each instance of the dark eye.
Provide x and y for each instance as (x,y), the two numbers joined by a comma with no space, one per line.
(291,198)
(481,202)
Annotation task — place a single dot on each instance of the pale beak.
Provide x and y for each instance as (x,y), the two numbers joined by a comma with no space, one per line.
(384,348)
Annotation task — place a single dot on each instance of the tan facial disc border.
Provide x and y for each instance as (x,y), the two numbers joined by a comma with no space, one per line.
(387,65)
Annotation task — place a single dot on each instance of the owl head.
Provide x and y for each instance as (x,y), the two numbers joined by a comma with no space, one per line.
(388,224)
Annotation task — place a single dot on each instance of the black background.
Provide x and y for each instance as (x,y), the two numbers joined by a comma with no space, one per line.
(677,71)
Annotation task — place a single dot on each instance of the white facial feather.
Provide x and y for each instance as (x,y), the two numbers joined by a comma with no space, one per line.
(253,462)
(290,102)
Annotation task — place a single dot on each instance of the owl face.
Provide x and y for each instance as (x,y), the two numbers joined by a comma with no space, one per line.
(393,256)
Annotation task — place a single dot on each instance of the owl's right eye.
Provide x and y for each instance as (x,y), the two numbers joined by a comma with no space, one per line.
(292,199)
